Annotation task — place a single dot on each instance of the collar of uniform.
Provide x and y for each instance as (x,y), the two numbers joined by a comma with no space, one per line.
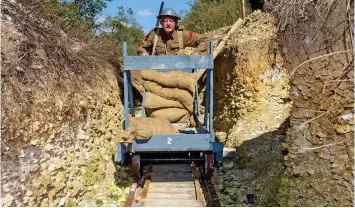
(166,36)
(173,35)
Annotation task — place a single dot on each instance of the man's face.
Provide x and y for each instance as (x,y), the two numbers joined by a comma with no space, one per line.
(168,23)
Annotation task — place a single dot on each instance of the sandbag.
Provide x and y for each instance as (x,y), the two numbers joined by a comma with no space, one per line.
(174,79)
(142,128)
(182,96)
(173,115)
(153,101)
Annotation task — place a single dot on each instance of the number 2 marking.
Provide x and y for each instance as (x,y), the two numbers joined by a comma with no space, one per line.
(169,141)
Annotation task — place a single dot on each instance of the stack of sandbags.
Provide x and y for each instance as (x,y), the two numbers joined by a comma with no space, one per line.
(169,95)
(143,128)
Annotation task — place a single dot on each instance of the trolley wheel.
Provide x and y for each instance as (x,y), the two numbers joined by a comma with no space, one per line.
(209,163)
(136,166)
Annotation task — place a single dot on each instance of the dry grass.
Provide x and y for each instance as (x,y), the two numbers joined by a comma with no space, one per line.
(49,79)
(60,16)
(208,16)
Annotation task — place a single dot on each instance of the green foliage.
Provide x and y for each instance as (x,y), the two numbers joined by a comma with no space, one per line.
(89,9)
(70,204)
(123,27)
(85,11)
(75,17)
(209,15)
(99,203)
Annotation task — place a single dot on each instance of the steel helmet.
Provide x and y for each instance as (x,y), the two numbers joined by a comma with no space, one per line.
(168,12)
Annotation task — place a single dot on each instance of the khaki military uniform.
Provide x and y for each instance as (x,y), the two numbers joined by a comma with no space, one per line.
(170,45)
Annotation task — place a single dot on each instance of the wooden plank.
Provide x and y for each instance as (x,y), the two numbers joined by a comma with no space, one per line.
(173,203)
(131,196)
(173,175)
(171,168)
(171,196)
(197,183)
(189,184)
(166,189)
(146,184)
(167,63)
(173,179)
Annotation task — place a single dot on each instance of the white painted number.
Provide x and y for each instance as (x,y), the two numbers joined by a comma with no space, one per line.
(169,141)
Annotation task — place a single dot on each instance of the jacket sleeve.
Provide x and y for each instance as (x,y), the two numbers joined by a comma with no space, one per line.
(147,44)
(198,41)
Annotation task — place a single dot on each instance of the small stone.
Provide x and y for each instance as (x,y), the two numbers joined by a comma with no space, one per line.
(228,165)
(344,129)
(29,193)
(22,153)
(50,125)
(325,154)
(51,167)
(7,200)
(81,135)
(36,126)
(310,171)
(34,142)
(297,171)
(347,116)
(25,199)
(6,187)
(44,203)
(107,158)
(321,134)
(48,147)
(62,201)
(337,177)
(284,50)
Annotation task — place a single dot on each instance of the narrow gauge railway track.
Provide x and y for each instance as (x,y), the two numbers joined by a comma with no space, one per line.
(173,185)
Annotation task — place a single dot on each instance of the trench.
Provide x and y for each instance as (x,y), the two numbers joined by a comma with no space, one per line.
(294,148)
(251,114)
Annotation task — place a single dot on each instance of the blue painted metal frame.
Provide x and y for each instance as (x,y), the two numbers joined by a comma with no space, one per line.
(204,140)
(143,103)
(168,63)
(174,143)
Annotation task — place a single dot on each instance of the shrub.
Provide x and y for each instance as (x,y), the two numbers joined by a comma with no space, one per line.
(209,15)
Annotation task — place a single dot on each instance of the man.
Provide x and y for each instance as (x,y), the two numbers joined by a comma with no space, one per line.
(171,38)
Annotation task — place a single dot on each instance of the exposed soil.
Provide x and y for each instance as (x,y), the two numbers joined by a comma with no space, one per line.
(316,40)
(251,83)
(61,115)
(251,110)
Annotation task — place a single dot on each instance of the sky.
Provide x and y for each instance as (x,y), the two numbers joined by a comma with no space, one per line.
(145,11)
